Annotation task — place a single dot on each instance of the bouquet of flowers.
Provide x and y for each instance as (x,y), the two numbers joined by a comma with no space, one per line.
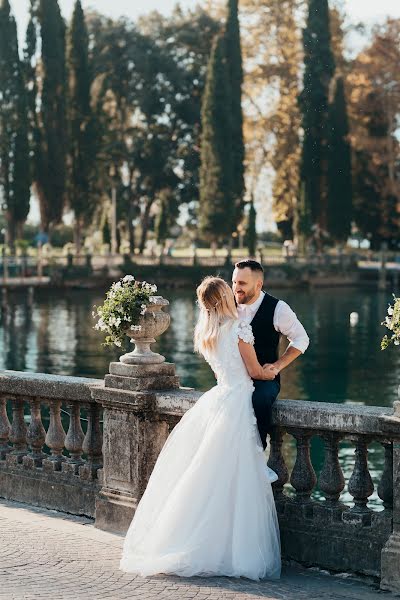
(126,302)
(392,322)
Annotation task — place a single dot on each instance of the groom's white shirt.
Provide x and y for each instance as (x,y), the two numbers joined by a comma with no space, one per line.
(285,321)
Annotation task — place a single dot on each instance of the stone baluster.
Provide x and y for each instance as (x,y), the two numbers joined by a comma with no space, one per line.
(55,438)
(74,440)
(5,428)
(276,462)
(35,436)
(385,487)
(303,477)
(360,483)
(331,480)
(92,444)
(18,432)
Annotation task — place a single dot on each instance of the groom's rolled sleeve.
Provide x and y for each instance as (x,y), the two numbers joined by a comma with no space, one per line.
(287,323)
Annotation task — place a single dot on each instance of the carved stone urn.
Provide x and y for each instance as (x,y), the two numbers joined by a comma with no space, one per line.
(153,323)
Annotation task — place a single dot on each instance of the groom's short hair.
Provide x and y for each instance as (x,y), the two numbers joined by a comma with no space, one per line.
(250,264)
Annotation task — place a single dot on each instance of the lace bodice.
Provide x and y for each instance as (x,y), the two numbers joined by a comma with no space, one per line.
(226,360)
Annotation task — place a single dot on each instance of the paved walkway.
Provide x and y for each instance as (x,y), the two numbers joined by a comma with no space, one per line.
(50,555)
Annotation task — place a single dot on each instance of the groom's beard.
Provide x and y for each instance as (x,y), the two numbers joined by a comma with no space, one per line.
(245,298)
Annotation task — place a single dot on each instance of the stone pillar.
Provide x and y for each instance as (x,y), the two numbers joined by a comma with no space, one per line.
(133,430)
(390,557)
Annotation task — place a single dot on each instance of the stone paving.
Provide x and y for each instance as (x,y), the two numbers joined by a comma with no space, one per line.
(53,556)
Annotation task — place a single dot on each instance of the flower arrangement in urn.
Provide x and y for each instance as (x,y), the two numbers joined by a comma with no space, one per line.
(121,313)
(392,322)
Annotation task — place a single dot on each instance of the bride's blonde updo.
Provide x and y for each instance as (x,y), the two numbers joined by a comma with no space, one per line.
(217,304)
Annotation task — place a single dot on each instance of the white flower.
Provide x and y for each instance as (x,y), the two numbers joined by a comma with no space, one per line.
(117,343)
(128,278)
(390,310)
(397,342)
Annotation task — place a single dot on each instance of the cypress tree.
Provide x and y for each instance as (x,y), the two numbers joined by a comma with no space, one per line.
(339,169)
(251,234)
(319,69)
(51,177)
(216,206)
(81,124)
(235,74)
(14,151)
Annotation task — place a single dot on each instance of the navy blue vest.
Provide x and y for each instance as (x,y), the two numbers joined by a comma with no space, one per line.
(266,338)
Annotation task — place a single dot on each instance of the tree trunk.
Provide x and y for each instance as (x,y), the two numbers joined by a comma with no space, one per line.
(131,231)
(78,235)
(145,226)
(10,233)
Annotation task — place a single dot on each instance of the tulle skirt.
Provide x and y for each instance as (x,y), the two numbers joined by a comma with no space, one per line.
(208,508)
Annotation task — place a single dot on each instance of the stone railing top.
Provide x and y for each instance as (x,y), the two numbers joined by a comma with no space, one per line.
(345,418)
(320,416)
(42,385)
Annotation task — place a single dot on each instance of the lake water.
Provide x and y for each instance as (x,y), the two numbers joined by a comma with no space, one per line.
(344,363)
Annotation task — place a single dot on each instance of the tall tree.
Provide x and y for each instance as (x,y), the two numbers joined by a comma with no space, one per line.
(149,80)
(82,147)
(339,167)
(273,55)
(216,207)
(235,74)
(50,177)
(14,149)
(319,68)
(374,108)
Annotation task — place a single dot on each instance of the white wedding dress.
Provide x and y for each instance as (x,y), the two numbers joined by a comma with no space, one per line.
(208,508)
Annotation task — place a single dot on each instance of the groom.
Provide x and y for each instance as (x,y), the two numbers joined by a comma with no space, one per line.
(269,317)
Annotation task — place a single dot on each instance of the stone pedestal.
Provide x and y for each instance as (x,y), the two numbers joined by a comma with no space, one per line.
(390,557)
(133,434)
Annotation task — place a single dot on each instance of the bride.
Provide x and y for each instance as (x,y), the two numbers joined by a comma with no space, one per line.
(208,508)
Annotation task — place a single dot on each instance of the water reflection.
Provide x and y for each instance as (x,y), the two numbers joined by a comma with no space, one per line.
(344,363)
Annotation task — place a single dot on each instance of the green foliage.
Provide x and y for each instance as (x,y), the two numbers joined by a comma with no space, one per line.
(125,304)
(235,75)
(319,68)
(148,82)
(14,149)
(50,175)
(339,168)
(217,207)
(251,234)
(392,322)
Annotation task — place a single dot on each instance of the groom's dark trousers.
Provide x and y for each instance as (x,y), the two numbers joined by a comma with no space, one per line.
(264,395)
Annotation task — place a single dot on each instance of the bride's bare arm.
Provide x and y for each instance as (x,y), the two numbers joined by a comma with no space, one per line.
(253,367)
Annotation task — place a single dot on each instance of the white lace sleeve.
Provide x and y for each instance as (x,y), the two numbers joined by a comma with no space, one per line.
(245,333)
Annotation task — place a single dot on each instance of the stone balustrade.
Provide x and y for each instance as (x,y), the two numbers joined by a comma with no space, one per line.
(59,466)
(56,467)
(323,530)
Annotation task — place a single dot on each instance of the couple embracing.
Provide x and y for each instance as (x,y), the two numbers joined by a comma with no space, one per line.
(208,508)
